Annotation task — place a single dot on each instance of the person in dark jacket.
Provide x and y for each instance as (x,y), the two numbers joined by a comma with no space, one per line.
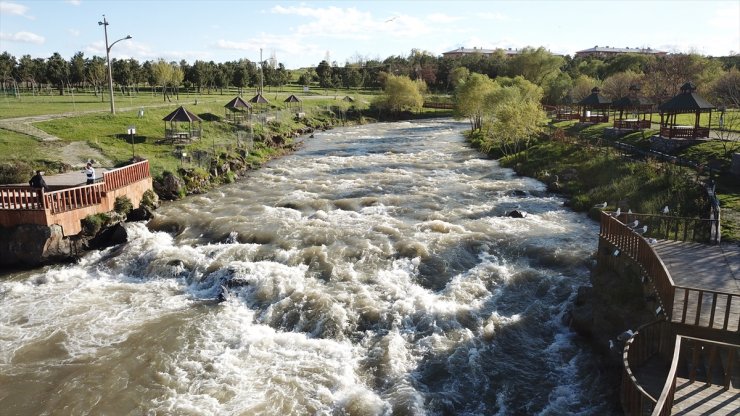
(38,183)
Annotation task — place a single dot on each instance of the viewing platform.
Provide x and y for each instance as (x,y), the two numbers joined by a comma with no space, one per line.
(688,360)
(68,202)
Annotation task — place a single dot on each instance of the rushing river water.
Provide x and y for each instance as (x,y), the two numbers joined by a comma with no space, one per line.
(372,272)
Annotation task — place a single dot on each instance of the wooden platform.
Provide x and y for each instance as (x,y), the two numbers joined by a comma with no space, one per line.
(699,399)
(704,268)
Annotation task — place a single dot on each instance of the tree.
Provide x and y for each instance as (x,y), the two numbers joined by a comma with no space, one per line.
(618,85)
(557,88)
(95,74)
(163,73)
(7,65)
(470,98)
(725,90)
(400,94)
(77,69)
(582,87)
(324,73)
(516,115)
(535,65)
(457,76)
(57,71)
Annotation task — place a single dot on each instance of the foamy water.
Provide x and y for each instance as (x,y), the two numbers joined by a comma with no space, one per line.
(373,272)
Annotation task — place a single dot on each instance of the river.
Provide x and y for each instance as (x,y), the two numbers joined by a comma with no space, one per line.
(372,272)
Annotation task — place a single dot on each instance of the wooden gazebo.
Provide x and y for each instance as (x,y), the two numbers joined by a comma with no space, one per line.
(260,101)
(237,110)
(636,108)
(348,99)
(594,108)
(565,110)
(686,102)
(293,100)
(174,125)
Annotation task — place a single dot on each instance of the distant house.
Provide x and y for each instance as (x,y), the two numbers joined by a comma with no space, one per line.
(606,51)
(460,52)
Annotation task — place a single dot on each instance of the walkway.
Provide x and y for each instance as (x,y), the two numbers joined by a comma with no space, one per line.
(706,268)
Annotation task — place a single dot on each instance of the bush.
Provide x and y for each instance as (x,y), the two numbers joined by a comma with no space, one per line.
(149,200)
(15,171)
(92,224)
(123,205)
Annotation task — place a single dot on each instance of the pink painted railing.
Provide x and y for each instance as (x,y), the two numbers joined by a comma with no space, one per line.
(20,198)
(118,178)
(684,132)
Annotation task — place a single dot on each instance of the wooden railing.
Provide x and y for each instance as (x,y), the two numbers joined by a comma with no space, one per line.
(700,355)
(720,307)
(595,118)
(438,105)
(667,227)
(567,116)
(74,198)
(631,124)
(684,132)
(118,178)
(650,341)
(20,198)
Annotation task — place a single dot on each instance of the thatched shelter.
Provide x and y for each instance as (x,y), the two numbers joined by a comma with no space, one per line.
(237,110)
(595,107)
(638,110)
(686,102)
(259,101)
(348,99)
(174,125)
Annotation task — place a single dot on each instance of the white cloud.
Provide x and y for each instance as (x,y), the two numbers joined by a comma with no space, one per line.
(73,32)
(23,37)
(74,2)
(442,18)
(492,16)
(14,9)
(726,17)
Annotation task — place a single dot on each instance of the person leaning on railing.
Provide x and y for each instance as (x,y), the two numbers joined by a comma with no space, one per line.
(89,174)
(38,183)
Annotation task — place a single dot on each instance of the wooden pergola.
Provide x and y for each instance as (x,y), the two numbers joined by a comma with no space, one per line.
(237,110)
(594,108)
(174,125)
(260,101)
(686,102)
(637,108)
(293,100)
(565,109)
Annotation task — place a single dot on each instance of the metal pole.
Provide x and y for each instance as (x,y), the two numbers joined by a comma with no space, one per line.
(104,23)
(132,146)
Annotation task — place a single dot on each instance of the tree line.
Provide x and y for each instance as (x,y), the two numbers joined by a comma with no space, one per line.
(562,78)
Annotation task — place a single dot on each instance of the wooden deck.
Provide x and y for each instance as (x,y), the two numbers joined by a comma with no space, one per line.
(707,269)
(700,399)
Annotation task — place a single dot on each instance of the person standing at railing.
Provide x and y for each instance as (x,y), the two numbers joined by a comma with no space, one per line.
(38,183)
(89,173)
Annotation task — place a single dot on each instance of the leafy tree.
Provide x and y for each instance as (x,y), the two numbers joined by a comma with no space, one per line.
(57,71)
(582,87)
(26,72)
(516,115)
(163,73)
(725,91)
(618,85)
(458,76)
(77,69)
(557,88)
(7,65)
(470,98)
(95,74)
(535,65)
(324,73)
(400,94)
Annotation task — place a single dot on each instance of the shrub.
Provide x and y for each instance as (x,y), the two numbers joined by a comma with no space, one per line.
(123,205)
(92,224)
(149,200)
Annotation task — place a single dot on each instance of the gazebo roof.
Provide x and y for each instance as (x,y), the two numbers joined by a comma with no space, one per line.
(348,98)
(632,102)
(181,114)
(292,99)
(686,101)
(595,99)
(237,103)
(259,99)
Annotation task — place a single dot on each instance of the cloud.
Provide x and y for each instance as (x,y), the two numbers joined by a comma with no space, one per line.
(73,32)
(74,2)
(442,18)
(493,16)
(14,9)
(726,17)
(23,37)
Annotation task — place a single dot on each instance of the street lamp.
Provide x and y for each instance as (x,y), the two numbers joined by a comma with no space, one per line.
(104,23)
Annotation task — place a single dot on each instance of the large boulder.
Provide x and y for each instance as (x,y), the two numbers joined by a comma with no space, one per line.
(34,245)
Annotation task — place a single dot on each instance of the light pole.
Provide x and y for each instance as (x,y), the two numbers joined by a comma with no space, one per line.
(104,23)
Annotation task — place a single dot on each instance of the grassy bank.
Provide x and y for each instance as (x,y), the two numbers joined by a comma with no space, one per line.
(581,163)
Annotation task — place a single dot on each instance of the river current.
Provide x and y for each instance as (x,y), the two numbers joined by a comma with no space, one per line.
(372,272)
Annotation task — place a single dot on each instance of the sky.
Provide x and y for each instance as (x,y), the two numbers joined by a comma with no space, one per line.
(303,33)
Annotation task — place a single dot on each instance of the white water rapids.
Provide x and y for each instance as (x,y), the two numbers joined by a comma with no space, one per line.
(372,272)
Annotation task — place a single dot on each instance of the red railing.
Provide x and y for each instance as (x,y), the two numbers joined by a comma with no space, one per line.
(595,118)
(21,198)
(681,132)
(118,178)
(74,198)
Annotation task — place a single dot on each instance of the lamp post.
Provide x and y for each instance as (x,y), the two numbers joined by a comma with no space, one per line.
(104,23)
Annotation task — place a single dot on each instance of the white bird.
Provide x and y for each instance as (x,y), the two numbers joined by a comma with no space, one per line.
(642,230)
(633,224)
(629,211)
(624,336)
(666,210)
(602,206)
(617,213)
